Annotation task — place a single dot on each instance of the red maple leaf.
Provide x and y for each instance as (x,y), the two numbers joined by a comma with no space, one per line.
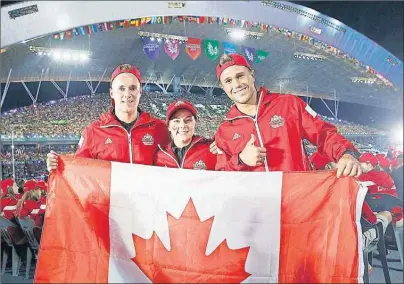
(187,261)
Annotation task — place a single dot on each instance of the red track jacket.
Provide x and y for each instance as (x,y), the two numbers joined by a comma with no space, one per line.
(107,139)
(197,156)
(283,121)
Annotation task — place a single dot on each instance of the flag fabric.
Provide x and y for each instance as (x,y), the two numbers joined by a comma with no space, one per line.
(229,48)
(151,48)
(82,31)
(172,48)
(249,53)
(261,55)
(100,27)
(118,223)
(212,49)
(193,47)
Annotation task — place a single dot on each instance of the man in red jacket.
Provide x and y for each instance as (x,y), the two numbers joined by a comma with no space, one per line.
(125,133)
(187,150)
(264,131)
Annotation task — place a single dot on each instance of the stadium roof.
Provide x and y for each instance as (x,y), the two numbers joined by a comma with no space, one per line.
(281,71)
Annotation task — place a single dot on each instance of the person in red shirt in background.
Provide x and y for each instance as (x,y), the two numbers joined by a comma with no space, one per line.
(9,198)
(263,131)
(125,133)
(187,150)
(381,196)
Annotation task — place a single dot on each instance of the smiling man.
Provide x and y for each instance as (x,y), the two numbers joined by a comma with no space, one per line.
(264,131)
(125,133)
(187,150)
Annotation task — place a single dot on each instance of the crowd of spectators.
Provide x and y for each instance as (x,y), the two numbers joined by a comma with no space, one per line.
(63,120)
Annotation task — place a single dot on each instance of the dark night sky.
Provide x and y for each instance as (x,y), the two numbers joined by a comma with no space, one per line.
(381,21)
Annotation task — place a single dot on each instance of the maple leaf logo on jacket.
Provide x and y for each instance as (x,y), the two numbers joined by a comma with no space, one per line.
(188,246)
(172,47)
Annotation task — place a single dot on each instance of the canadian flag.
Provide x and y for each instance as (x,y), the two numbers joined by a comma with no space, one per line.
(124,223)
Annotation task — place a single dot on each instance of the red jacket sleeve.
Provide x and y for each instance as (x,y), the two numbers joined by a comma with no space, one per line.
(383,179)
(85,144)
(322,134)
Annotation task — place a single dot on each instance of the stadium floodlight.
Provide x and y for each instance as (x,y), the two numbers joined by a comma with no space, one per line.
(75,56)
(237,34)
(152,39)
(83,56)
(398,134)
(66,55)
(159,39)
(56,54)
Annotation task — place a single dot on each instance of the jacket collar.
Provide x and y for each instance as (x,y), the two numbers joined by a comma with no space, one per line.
(195,140)
(109,119)
(264,98)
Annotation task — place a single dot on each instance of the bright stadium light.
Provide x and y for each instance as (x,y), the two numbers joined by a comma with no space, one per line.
(56,54)
(83,56)
(237,34)
(152,39)
(66,56)
(75,56)
(398,134)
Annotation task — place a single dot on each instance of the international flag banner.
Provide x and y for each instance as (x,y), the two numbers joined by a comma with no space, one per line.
(118,223)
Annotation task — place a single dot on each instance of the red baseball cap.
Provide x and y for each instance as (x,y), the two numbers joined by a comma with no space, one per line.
(319,160)
(180,104)
(394,162)
(237,59)
(384,162)
(368,158)
(30,185)
(5,184)
(126,68)
(42,185)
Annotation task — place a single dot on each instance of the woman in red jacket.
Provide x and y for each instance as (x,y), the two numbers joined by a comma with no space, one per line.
(187,150)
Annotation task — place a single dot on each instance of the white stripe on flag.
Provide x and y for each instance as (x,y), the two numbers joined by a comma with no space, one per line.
(245,206)
(359,203)
(35,211)
(43,206)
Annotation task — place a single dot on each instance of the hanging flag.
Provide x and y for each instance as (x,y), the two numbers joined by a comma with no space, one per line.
(68,34)
(159,20)
(225,21)
(94,27)
(212,49)
(76,32)
(148,20)
(151,48)
(172,48)
(88,30)
(249,53)
(112,26)
(56,36)
(83,31)
(193,47)
(135,23)
(62,35)
(261,55)
(201,19)
(133,228)
(100,27)
(168,20)
(118,25)
(126,23)
(229,48)
(106,27)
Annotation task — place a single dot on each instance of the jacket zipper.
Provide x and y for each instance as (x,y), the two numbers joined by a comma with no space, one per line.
(183,159)
(129,140)
(169,156)
(255,120)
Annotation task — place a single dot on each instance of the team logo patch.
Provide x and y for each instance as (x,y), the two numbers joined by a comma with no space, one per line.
(148,140)
(277,121)
(108,141)
(179,103)
(236,136)
(199,165)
